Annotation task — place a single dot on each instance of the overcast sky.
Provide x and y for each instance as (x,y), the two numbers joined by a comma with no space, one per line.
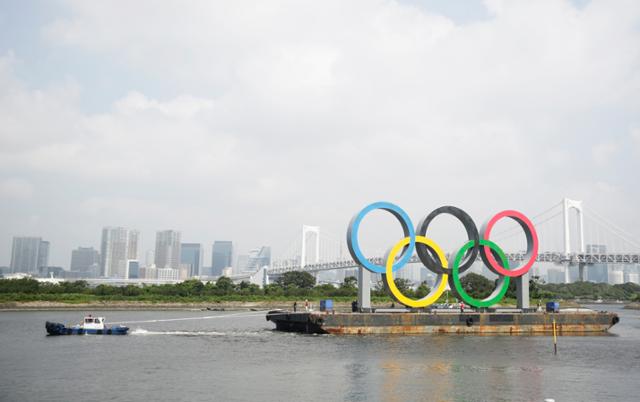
(244,120)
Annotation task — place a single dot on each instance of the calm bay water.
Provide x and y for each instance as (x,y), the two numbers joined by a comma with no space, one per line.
(239,357)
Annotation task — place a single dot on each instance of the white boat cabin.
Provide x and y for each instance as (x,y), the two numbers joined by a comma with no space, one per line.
(93,322)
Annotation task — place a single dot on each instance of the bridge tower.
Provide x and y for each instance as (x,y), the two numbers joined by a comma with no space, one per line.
(577,205)
(303,254)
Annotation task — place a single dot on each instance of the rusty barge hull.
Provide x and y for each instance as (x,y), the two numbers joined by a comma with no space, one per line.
(442,323)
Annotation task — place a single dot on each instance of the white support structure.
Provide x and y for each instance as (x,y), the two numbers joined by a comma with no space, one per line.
(303,254)
(364,290)
(577,205)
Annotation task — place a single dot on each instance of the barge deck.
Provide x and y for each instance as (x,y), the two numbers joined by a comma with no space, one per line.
(513,323)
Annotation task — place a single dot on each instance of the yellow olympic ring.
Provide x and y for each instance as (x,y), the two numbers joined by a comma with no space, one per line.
(438,289)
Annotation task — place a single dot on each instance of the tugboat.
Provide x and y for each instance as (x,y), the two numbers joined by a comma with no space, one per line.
(90,325)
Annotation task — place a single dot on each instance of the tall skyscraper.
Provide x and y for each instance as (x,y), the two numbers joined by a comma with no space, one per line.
(117,246)
(43,254)
(191,254)
(221,256)
(83,258)
(168,249)
(28,254)
(133,246)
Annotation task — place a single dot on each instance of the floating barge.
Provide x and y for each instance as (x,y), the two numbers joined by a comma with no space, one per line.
(437,322)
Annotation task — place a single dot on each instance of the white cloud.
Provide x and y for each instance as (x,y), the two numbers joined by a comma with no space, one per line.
(603,152)
(16,188)
(181,107)
(635,137)
(299,112)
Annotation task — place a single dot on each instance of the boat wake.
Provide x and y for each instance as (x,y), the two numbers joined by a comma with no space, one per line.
(144,332)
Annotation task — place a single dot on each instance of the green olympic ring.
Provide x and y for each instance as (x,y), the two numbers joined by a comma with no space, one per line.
(456,285)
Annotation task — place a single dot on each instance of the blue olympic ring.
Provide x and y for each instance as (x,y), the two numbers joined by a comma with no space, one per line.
(407,227)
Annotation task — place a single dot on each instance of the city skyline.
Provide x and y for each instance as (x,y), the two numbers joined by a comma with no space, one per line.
(255,258)
(119,245)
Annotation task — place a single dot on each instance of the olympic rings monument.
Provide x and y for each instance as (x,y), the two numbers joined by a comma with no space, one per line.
(418,317)
(434,259)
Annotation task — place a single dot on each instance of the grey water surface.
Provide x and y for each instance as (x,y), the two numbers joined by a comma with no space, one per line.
(238,357)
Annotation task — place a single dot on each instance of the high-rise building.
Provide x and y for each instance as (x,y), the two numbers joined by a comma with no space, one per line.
(191,254)
(43,254)
(117,246)
(221,256)
(28,254)
(167,249)
(133,246)
(84,257)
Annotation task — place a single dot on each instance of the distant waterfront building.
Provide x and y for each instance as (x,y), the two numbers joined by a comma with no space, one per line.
(598,273)
(149,259)
(168,274)
(411,273)
(184,272)
(616,277)
(191,254)
(43,254)
(632,277)
(241,263)
(118,245)
(28,254)
(47,272)
(258,258)
(221,256)
(555,275)
(133,269)
(149,272)
(133,247)
(350,272)
(83,258)
(167,249)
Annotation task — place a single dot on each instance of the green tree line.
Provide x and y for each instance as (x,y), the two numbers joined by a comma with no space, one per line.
(302,285)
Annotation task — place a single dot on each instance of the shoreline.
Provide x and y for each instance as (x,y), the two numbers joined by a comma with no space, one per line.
(197,306)
(140,306)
